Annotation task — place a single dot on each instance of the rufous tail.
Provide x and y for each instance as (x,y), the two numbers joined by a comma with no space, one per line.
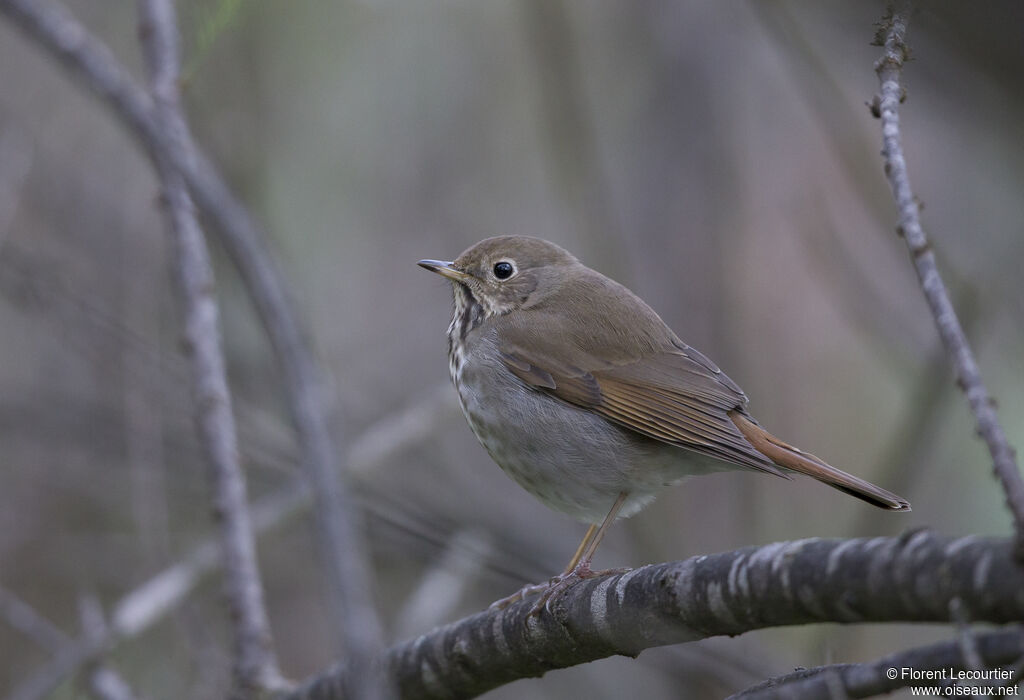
(797,460)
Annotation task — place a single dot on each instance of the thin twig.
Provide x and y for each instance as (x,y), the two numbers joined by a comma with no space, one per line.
(964,635)
(24,618)
(255,666)
(339,536)
(443,586)
(889,67)
(144,606)
(885,675)
(102,682)
(68,653)
(105,684)
(60,666)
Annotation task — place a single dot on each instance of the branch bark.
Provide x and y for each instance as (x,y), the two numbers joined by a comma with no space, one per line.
(255,665)
(892,36)
(911,578)
(996,649)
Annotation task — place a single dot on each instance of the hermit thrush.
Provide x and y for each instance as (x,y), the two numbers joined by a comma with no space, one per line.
(582,394)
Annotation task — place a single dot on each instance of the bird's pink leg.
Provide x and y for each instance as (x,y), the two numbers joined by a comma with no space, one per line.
(577,569)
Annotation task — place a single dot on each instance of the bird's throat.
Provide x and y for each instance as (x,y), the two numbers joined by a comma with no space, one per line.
(467,315)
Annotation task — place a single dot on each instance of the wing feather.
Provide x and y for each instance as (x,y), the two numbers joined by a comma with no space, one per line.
(668,397)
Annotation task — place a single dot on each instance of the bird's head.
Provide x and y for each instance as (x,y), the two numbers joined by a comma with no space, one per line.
(506,273)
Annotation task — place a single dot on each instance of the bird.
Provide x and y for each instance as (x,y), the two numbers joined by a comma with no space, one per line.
(586,398)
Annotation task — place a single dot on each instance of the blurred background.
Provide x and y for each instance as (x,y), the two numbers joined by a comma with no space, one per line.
(717,158)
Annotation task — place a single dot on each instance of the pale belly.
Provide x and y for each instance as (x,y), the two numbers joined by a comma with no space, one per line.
(572,460)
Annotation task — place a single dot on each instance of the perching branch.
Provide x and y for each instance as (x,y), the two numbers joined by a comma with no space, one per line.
(255,666)
(339,538)
(886,579)
(892,36)
(996,649)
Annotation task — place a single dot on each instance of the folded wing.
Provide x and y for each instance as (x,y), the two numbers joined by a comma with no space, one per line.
(677,396)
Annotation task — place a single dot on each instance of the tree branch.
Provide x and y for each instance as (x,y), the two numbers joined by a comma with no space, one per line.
(892,36)
(996,649)
(255,666)
(103,683)
(24,618)
(339,537)
(886,579)
(141,608)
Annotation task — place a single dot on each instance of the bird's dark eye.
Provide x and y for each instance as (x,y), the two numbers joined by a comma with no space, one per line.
(503,270)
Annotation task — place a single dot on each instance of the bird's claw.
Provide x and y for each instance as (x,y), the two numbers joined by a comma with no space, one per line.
(554,588)
(522,593)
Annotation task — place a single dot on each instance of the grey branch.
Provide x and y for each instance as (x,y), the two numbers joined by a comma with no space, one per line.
(889,67)
(24,618)
(255,666)
(141,608)
(340,539)
(886,579)
(67,652)
(996,649)
(105,684)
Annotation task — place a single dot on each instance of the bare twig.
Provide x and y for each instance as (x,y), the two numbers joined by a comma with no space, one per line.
(884,579)
(964,635)
(339,537)
(24,618)
(105,684)
(411,425)
(67,652)
(998,649)
(889,67)
(147,604)
(255,667)
(442,587)
(141,608)
(61,665)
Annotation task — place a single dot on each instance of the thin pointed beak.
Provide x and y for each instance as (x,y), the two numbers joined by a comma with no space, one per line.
(445,269)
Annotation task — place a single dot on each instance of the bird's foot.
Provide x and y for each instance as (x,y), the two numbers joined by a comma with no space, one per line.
(553,588)
(523,592)
(563,582)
